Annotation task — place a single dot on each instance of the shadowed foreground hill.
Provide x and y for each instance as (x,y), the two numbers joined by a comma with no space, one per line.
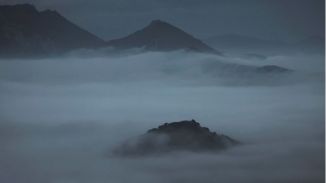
(176,136)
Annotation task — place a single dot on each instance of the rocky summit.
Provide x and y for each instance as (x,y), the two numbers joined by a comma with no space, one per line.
(176,136)
(162,36)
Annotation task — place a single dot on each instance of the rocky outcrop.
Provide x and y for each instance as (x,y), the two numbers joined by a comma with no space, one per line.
(176,136)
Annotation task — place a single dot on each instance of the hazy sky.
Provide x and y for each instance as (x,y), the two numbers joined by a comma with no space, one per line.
(273,19)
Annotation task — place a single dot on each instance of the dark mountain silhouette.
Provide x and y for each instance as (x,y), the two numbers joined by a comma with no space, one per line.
(161,36)
(25,31)
(176,136)
(272,69)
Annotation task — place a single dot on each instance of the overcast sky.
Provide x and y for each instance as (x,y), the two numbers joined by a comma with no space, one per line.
(272,19)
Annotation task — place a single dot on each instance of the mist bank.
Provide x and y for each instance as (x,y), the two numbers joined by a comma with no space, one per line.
(176,68)
(68,136)
(61,117)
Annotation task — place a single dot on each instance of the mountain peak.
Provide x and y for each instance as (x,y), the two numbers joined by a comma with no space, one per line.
(161,36)
(23,8)
(25,31)
(48,11)
(157,22)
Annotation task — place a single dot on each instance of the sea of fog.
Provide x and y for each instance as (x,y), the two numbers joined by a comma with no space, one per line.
(61,117)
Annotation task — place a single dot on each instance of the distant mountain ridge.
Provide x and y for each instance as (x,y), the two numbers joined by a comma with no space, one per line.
(25,31)
(161,36)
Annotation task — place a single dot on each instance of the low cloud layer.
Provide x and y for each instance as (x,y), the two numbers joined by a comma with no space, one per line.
(61,118)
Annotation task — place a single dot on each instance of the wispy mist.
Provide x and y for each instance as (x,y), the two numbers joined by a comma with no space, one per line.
(61,117)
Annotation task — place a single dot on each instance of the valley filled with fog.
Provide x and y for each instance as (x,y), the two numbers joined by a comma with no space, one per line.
(61,117)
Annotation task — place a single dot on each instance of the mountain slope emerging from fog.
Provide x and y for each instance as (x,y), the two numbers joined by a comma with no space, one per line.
(25,31)
(176,136)
(161,36)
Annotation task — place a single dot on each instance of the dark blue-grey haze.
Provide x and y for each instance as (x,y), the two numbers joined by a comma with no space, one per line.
(277,19)
(61,117)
